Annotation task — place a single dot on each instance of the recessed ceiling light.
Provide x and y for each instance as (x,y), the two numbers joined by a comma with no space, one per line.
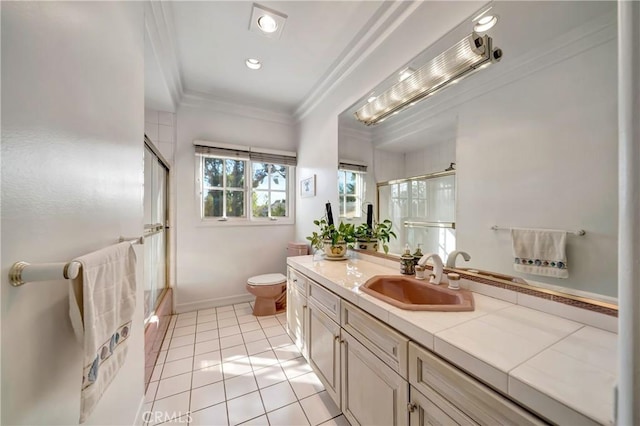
(267,24)
(485,23)
(253,64)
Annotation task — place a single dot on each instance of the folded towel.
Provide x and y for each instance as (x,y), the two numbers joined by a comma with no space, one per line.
(540,252)
(101,305)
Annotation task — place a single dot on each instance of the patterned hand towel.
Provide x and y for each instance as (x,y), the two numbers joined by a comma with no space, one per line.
(540,252)
(101,306)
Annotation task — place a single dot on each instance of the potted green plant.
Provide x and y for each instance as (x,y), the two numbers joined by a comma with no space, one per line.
(331,239)
(368,238)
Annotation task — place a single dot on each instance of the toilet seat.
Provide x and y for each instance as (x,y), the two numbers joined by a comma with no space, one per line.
(267,279)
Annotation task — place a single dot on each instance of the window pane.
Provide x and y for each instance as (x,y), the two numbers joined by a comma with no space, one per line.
(279,204)
(212,172)
(260,203)
(213,204)
(351,206)
(340,183)
(278,177)
(350,184)
(235,203)
(235,173)
(259,176)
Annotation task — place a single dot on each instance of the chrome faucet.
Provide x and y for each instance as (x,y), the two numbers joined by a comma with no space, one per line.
(438,267)
(451,259)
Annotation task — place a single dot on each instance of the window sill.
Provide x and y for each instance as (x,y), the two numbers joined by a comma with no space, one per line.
(244,222)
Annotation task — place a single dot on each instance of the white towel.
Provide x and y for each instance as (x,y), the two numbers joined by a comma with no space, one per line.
(540,252)
(101,305)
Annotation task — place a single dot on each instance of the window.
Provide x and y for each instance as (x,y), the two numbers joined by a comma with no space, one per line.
(244,185)
(351,189)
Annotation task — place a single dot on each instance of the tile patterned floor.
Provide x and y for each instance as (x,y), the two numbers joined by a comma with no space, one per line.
(223,366)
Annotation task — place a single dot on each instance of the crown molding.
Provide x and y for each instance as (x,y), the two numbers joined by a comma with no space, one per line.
(198,99)
(388,17)
(588,36)
(158,22)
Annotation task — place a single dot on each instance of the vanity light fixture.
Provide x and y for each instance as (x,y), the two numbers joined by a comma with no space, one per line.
(253,64)
(460,60)
(266,22)
(406,73)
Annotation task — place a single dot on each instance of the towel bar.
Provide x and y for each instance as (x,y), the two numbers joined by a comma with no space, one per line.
(24,272)
(579,232)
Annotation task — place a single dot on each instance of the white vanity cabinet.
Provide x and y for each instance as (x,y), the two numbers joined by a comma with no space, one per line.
(323,338)
(439,389)
(374,370)
(296,308)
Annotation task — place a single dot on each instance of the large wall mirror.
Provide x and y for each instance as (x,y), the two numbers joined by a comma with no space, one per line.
(533,138)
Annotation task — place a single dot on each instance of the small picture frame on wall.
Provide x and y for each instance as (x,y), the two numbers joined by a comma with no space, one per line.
(308,187)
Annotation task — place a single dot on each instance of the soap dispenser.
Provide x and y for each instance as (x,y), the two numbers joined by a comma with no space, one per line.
(406,262)
(417,255)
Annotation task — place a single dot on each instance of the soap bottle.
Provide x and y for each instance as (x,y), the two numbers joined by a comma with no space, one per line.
(417,255)
(406,262)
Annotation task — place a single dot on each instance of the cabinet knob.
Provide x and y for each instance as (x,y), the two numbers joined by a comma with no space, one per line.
(295,280)
(411,407)
(336,337)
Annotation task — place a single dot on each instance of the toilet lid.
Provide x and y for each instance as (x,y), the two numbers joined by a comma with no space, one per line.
(267,279)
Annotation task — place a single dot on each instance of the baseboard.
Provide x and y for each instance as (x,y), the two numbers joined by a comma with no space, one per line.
(181,308)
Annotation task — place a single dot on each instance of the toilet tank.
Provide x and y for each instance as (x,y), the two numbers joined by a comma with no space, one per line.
(297,249)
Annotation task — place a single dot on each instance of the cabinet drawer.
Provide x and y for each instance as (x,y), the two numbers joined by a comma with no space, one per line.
(428,373)
(432,409)
(386,343)
(326,301)
(299,280)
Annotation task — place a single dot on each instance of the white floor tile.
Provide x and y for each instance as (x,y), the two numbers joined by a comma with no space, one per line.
(203,336)
(183,322)
(179,353)
(286,353)
(157,372)
(244,408)
(258,346)
(295,367)
(263,359)
(237,367)
(206,376)
(247,319)
(207,318)
(319,408)
(207,396)
(291,415)
(243,312)
(162,356)
(227,322)
(183,331)
(146,413)
(207,359)
(337,421)
(258,421)
(206,326)
(252,336)
(208,346)
(150,395)
(269,376)
(276,396)
(210,416)
(174,385)
(280,340)
(226,315)
(176,342)
(250,326)
(229,341)
(191,314)
(267,322)
(274,331)
(229,331)
(228,308)
(306,385)
(242,305)
(240,385)
(234,352)
(165,344)
(171,407)
(178,367)
(209,311)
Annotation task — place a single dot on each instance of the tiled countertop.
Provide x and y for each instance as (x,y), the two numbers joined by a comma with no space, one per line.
(560,368)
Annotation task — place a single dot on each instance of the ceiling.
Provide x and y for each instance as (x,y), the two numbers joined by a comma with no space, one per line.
(211,41)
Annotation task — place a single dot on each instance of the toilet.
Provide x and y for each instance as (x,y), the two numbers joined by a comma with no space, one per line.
(270,291)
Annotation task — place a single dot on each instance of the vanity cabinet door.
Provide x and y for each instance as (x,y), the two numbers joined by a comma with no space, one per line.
(296,307)
(323,346)
(372,393)
(434,410)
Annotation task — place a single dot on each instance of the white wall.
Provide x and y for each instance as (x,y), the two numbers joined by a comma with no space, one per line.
(72,126)
(213,261)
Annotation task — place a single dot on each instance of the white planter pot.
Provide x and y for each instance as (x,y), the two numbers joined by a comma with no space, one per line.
(335,250)
(367,245)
